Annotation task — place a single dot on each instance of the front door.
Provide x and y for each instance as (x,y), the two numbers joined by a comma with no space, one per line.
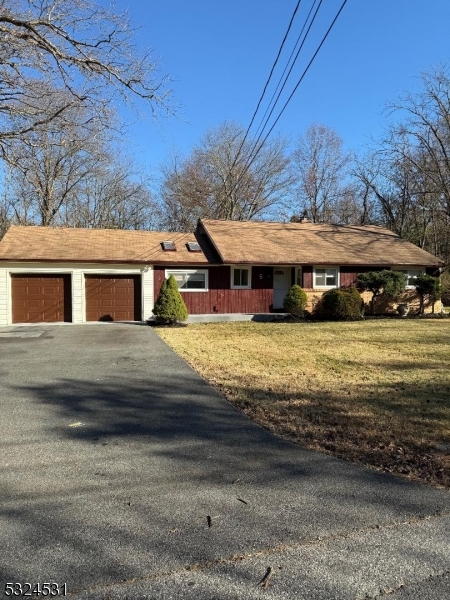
(281,285)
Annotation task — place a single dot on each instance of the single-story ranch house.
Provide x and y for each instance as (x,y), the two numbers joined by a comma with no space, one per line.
(79,275)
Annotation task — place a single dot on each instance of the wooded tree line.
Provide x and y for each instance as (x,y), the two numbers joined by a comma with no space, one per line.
(64,62)
(402,183)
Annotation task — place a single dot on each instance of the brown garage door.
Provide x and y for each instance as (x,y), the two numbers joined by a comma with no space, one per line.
(41,298)
(115,298)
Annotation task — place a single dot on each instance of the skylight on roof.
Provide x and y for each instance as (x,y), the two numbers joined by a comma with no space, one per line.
(168,245)
(193,247)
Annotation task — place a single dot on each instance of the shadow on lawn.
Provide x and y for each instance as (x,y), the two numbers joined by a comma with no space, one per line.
(154,457)
(398,427)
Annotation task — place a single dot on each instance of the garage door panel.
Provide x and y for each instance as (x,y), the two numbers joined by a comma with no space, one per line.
(114,298)
(47,301)
(49,290)
(120,302)
(35,303)
(41,298)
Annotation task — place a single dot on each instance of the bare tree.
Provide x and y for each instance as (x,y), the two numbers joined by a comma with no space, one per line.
(57,53)
(116,198)
(79,186)
(223,179)
(320,168)
(391,183)
(185,195)
(49,165)
(425,123)
(407,176)
(5,219)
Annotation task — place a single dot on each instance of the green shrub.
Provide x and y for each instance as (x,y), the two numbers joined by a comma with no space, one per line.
(170,306)
(445,280)
(387,284)
(342,304)
(427,286)
(295,301)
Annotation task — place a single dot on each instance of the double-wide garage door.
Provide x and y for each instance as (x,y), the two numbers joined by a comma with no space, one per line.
(48,298)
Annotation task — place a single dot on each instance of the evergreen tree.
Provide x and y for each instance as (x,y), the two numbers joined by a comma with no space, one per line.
(427,285)
(387,284)
(170,307)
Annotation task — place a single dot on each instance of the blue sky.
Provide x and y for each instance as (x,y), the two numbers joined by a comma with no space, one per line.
(220,54)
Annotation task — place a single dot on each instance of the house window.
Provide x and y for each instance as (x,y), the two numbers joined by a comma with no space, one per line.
(411,274)
(240,278)
(326,277)
(195,280)
(298,276)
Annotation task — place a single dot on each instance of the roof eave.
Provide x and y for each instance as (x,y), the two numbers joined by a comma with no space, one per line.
(103,261)
(231,261)
(213,244)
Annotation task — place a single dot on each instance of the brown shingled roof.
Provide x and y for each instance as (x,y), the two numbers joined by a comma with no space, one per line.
(311,243)
(231,242)
(32,243)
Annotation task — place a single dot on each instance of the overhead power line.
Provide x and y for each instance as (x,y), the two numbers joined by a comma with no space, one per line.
(280,49)
(289,61)
(256,149)
(272,70)
(306,70)
(264,123)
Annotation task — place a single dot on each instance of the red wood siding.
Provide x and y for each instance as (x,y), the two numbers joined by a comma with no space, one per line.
(221,299)
(307,275)
(348,275)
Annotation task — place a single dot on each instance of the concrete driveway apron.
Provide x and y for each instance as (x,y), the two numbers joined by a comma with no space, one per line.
(125,475)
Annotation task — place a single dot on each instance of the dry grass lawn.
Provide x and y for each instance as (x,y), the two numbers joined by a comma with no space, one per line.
(374,392)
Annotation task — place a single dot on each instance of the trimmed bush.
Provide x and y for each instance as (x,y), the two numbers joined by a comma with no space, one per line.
(387,284)
(295,301)
(445,281)
(342,304)
(427,286)
(170,307)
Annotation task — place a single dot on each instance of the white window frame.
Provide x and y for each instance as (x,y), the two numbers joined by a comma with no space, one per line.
(205,272)
(241,287)
(407,272)
(326,287)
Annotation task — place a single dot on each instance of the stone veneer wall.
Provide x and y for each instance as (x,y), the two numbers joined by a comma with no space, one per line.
(409,297)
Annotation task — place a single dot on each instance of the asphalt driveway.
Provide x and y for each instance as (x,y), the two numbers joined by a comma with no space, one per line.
(125,475)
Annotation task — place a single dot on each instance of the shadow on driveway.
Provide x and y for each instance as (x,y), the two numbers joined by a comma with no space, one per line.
(115,453)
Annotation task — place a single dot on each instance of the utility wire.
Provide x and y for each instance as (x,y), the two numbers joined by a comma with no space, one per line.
(258,150)
(254,144)
(287,65)
(241,145)
(269,78)
(254,149)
